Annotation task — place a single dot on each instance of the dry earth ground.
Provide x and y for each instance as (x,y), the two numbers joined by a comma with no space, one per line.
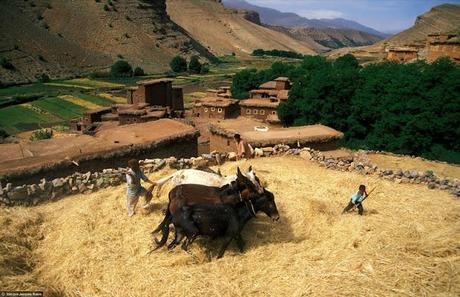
(406,244)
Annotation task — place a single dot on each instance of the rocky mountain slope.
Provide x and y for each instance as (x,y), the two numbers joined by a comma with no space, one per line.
(322,34)
(330,38)
(442,18)
(275,17)
(225,31)
(62,38)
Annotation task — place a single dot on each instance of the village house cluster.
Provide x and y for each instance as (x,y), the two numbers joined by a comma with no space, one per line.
(437,45)
(261,104)
(149,101)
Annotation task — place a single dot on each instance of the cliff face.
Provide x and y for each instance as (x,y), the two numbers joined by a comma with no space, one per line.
(62,38)
(225,31)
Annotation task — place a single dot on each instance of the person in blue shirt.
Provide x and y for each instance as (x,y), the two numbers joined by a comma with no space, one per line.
(135,189)
(356,200)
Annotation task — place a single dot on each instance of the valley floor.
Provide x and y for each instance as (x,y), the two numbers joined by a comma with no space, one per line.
(406,244)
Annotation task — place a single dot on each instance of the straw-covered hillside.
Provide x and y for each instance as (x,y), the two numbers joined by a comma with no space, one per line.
(406,244)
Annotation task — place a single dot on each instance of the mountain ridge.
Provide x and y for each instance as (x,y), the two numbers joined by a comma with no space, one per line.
(275,17)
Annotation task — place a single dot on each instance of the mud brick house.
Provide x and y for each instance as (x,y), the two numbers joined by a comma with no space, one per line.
(156,92)
(133,116)
(216,108)
(259,108)
(443,45)
(263,102)
(259,134)
(150,100)
(402,54)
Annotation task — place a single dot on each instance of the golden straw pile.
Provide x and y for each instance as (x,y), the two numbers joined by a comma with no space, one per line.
(406,244)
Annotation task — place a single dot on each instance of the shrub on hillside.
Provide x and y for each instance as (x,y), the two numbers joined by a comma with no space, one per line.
(194,66)
(204,69)
(178,64)
(121,68)
(277,53)
(3,134)
(99,74)
(41,134)
(6,64)
(138,71)
(44,78)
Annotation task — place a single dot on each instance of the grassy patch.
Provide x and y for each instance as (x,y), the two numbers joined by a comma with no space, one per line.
(111,98)
(96,84)
(37,88)
(61,84)
(19,118)
(60,108)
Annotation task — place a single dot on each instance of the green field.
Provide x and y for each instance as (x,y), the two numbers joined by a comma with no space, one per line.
(59,108)
(15,119)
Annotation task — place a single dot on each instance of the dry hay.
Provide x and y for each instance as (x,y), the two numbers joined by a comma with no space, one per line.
(78,101)
(116,99)
(406,244)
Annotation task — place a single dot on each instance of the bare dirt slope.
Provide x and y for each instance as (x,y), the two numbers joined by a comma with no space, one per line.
(406,244)
(70,37)
(442,18)
(225,31)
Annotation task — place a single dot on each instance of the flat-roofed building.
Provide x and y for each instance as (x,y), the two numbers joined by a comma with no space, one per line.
(216,108)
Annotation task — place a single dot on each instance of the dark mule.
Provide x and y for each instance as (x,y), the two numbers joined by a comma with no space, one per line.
(220,220)
(191,194)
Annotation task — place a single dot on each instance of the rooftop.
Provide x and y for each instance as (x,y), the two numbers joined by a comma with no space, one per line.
(268,85)
(109,137)
(402,49)
(154,81)
(216,102)
(281,78)
(275,134)
(269,92)
(259,103)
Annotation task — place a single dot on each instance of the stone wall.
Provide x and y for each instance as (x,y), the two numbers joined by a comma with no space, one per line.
(181,146)
(46,189)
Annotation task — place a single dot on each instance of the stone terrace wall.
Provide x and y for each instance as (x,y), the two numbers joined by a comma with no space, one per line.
(185,145)
(45,190)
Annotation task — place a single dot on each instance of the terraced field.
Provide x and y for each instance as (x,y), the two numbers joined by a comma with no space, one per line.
(48,111)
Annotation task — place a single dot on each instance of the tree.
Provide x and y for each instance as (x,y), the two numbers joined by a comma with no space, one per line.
(3,134)
(44,78)
(6,64)
(138,71)
(41,134)
(178,64)
(121,68)
(194,66)
(204,68)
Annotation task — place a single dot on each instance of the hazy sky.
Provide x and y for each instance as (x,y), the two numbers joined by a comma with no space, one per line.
(383,15)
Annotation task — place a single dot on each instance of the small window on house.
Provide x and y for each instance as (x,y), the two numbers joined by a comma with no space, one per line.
(205,109)
(213,109)
(248,111)
(273,112)
(219,110)
(228,142)
(262,112)
(255,111)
